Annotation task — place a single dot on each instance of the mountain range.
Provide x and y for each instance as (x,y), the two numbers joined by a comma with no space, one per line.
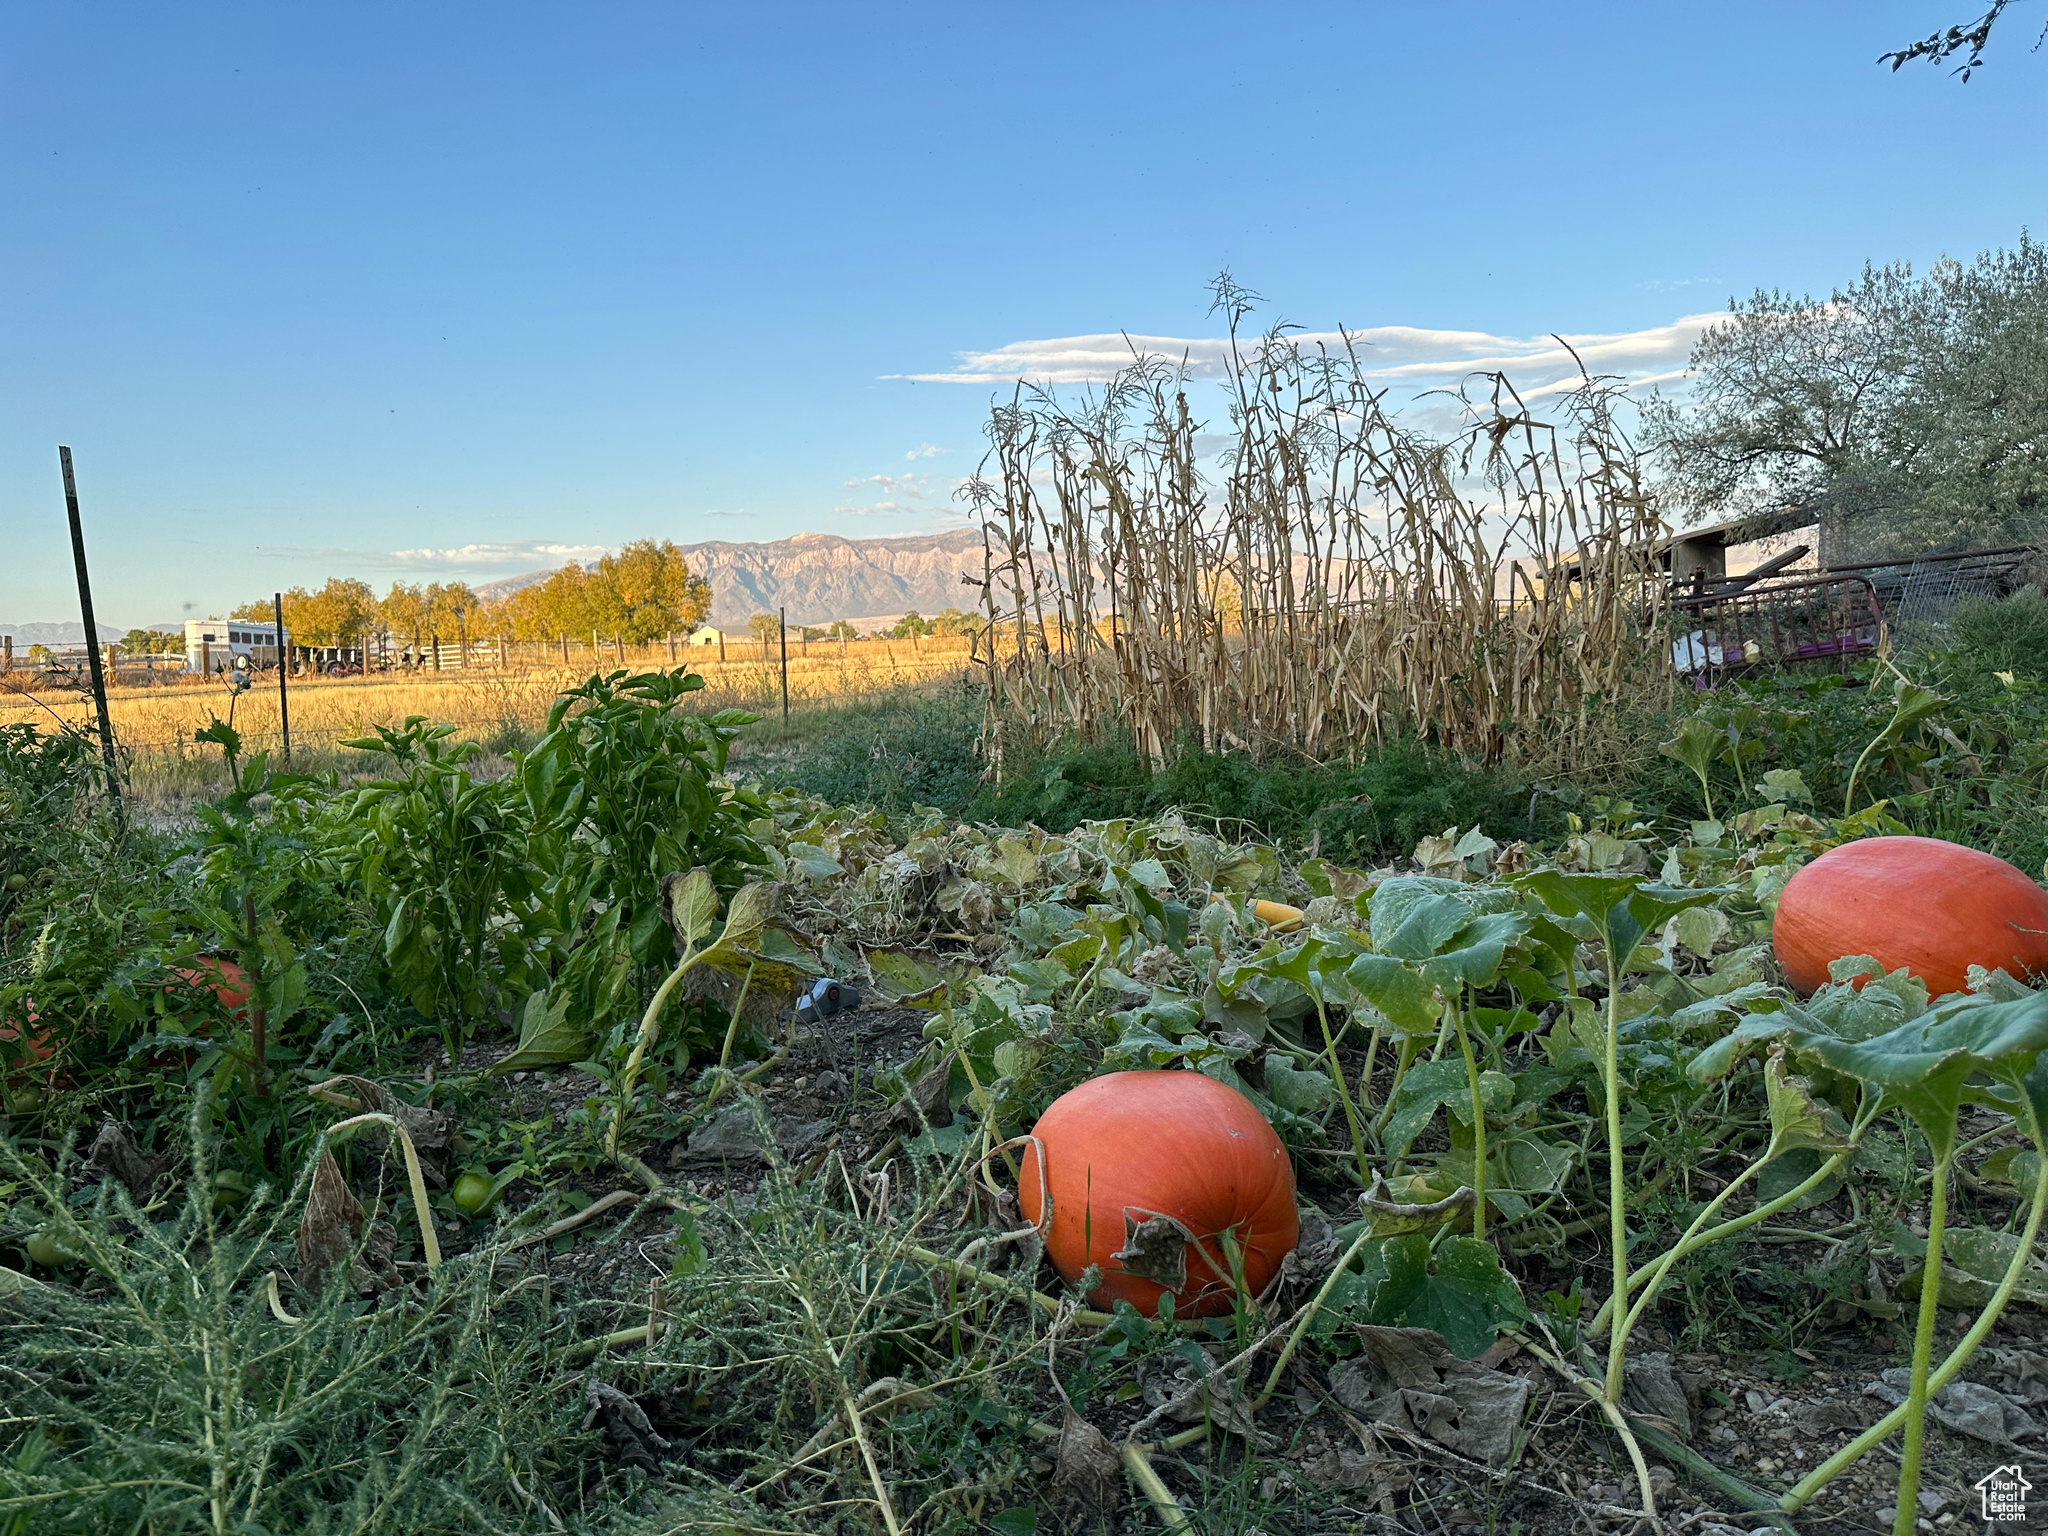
(54,632)
(820,577)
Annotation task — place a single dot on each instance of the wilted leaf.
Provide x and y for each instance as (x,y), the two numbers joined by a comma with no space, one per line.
(690,902)
(330,1226)
(1797,1118)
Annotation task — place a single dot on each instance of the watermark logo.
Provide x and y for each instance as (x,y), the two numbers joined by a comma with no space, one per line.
(2004,1492)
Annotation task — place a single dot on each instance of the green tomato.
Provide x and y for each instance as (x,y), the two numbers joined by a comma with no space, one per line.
(43,1250)
(230,1190)
(472,1192)
(17,882)
(25,1100)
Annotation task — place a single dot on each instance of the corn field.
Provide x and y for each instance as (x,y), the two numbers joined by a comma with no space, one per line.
(1337,579)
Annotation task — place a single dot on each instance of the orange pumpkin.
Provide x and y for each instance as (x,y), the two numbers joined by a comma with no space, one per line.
(1175,1149)
(230,983)
(1935,908)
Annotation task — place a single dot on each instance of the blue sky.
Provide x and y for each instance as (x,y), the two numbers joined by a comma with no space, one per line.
(421,290)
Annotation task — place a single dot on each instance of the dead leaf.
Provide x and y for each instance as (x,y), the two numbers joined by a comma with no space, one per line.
(1315,1254)
(1967,1407)
(113,1155)
(1198,1394)
(1087,1482)
(626,1425)
(1156,1249)
(331,1226)
(1409,1379)
(928,1095)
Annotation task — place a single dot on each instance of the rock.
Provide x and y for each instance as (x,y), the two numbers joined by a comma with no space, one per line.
(1649,1388)
(1825,1417)
(728,1135)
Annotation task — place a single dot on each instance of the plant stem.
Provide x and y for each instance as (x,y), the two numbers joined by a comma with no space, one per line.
(1617,1187)
(259,1021)
(650,1032)
(1694,1242)
(1958,1357)
(732,1028)
(1478,1126)
(1923,1346)
(1343,1092)
(1309,1316)
(1403,1059)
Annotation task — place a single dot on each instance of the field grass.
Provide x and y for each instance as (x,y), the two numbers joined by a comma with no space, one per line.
(500,708)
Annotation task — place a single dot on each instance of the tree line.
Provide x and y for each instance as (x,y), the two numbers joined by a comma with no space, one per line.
(640,594)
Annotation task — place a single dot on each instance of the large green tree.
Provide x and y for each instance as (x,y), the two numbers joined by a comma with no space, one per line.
(1911,412)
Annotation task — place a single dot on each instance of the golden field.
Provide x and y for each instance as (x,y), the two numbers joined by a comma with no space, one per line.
(501,707)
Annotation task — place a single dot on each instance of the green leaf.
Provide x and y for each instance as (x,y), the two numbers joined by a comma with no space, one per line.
(1797,1118)
(1924,1066)
(1699,929)
(1304,1093)
(1460,1292)
(1413,917)
(1785,786)
(1427,1085)
(546,1037)
(814,861)
(902,979)
(1397,991)
(1479,948)
(1695,745)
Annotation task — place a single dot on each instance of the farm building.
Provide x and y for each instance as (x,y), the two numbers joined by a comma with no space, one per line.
(704,636)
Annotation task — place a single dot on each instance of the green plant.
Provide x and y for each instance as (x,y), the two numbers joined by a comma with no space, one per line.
(1977,1048)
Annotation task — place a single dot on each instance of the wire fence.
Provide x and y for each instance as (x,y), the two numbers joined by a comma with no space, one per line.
(498,698)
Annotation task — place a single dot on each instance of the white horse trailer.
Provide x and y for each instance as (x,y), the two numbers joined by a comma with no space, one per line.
(214,645)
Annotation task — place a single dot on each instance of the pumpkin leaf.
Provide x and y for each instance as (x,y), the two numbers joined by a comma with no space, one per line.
(1397,991)
(1459,1291)
(1696,745)
(1303,1093)
(1427,1085)
(1412,918)
(745,917)
(1798,1120)
(1924,1066)
(1480,947)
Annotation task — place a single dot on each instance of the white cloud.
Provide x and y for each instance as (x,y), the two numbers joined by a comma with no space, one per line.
(724,512)
(527,554)
(925,451)
(1413,357)
(910,484)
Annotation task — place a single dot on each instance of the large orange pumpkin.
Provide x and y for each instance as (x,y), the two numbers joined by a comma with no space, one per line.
(1935,908)
(1176,1149)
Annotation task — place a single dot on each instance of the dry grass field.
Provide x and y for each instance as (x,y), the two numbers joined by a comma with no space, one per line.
(502,707)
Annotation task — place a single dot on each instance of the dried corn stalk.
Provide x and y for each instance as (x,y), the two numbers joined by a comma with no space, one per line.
(1340,581)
